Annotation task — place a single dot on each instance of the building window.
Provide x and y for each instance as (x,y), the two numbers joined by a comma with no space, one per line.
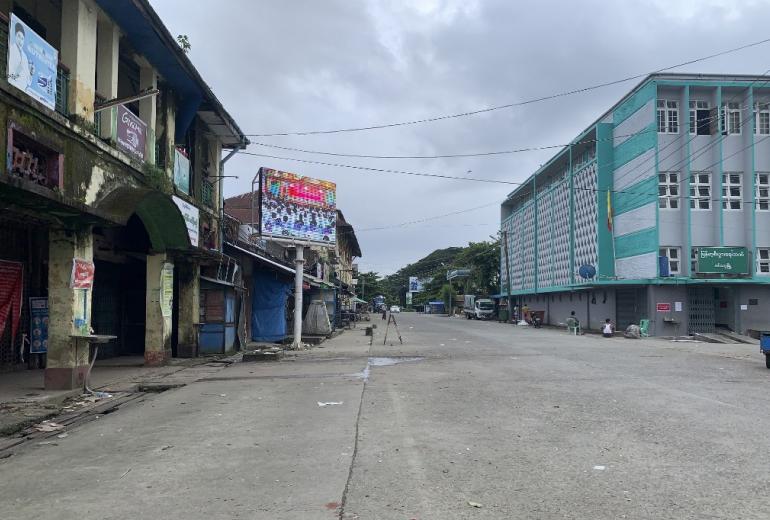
(763,260)
(731,118)
(762,118)
(674,256)
(700,117)
(700,190)
(668,116)
(731,190)
(693,261)
(668,190)
(763,191)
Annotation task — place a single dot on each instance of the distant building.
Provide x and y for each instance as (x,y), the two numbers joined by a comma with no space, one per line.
(660,210)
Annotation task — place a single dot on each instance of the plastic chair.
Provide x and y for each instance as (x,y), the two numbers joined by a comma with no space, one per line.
(644,328)
(573,326)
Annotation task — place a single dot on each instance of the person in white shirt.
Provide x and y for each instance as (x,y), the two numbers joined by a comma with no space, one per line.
(20,69)
(608,329)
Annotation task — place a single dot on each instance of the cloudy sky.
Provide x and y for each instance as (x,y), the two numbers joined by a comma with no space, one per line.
(292,66)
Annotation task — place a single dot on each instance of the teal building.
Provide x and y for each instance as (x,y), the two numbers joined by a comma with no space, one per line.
(660,210)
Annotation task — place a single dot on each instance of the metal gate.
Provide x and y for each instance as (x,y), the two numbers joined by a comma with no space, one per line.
(630,307)
(701,316)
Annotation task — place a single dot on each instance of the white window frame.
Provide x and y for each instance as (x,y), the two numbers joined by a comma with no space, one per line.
(762,191)
(732,191)
(668,115)
(763,261)
(695,105)
(732,120)
(700,200)
(674,255)
(762,118)
(669,190)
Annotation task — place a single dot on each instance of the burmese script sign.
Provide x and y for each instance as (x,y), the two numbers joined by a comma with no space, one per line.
(723,260)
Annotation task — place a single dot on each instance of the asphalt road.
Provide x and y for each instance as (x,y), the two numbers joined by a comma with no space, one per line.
(524,423)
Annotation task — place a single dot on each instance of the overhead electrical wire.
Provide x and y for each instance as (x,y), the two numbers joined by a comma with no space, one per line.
(511,105)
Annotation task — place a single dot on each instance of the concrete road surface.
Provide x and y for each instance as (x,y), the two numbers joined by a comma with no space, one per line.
(467,419)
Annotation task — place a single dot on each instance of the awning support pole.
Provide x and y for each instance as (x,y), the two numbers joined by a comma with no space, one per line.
(299,262)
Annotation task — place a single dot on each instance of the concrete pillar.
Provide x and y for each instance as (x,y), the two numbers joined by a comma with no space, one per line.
(157,331)
(67,360)
(148,79)
(78,52)
(188,274)
(108,40)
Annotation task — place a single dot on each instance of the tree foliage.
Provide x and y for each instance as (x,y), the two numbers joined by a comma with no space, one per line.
(481,258)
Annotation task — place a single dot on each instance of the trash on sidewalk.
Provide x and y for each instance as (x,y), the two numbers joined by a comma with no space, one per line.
(329,403)
(62,435)
(600,468)
(272,354)
(474,504)
(48,426)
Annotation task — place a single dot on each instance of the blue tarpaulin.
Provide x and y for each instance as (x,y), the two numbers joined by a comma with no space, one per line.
(268,307)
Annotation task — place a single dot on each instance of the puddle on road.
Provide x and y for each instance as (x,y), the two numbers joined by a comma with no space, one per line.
(384,362)
(389,361)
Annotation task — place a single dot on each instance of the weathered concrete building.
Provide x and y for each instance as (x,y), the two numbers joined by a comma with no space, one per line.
(115,178)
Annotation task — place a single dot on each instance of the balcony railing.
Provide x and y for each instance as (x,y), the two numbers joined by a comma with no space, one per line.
(207,193)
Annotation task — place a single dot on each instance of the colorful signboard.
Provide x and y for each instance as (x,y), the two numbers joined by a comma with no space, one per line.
(11,282)
(181,171)
(132,133)
(663,307)
(82,276)
(415,284)
(723,260)
(38,325)
(32,63)
(295,207)
(191,217)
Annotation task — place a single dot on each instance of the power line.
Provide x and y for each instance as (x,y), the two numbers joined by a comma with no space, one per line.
(445,156)
(512,105)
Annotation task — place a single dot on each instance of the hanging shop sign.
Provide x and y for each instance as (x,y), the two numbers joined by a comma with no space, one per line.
(723,260)
(82,276)
(38,325)
(191,216)
(32,63)
(132,133)
(166,289)
(663,307)
(11,281)
(181,171)
(295,207)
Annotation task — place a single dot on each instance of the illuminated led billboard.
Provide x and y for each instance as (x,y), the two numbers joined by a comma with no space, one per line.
(295,207)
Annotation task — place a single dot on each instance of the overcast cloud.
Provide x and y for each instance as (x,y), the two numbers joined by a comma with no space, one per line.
(314,65)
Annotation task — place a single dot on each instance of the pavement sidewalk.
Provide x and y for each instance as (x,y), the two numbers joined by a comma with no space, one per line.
(24,401)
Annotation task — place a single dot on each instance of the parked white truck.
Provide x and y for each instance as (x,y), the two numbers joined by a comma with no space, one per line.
(479,309)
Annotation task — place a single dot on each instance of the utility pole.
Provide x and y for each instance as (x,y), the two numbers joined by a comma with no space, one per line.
(299,263)
(508,275)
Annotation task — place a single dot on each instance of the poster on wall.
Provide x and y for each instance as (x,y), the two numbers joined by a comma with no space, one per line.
(132,133)
(297,207)
(11,282)
(38,325)
(181,171)
(32,63)
(82,276)
(166,289)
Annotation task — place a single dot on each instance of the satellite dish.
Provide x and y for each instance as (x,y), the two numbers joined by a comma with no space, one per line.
(587,271)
